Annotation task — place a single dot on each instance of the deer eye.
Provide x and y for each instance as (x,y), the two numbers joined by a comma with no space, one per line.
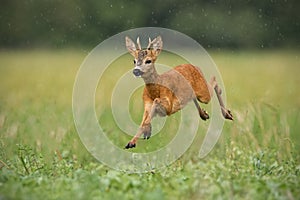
(148,61)
(134,61)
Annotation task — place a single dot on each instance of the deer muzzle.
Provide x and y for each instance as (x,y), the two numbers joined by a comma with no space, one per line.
(137,72)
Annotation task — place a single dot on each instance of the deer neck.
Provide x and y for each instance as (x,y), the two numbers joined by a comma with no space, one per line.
(152,77)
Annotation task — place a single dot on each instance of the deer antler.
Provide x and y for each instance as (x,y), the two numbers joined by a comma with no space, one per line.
(138,43)
(150,43)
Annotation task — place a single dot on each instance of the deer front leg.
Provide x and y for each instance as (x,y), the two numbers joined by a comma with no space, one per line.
(151,110)
(157,108)
(145,127)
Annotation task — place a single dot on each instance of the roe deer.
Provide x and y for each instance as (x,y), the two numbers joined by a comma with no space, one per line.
(167,93)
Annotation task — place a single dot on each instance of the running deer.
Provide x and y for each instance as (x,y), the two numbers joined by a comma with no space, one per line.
(167,93)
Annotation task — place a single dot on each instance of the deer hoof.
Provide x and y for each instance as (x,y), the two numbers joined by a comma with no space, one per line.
(130,145)
(204,115)
(147,131)
(147,135)
(228,115)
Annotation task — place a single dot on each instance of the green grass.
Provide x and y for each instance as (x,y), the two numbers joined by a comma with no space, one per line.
(257,156)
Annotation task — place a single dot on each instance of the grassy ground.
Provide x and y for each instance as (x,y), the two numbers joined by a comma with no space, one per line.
(257,156)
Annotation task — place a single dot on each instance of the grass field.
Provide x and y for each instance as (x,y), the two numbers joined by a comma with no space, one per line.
(257,156)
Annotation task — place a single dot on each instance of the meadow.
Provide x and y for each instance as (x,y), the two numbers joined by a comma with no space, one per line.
(256,157)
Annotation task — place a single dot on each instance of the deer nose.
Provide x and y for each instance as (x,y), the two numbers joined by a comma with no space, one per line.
(137,72)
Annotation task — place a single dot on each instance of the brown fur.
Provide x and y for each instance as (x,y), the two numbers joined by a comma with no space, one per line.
(169,92)
(175,85)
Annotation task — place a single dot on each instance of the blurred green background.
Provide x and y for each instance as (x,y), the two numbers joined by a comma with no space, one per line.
(214,24)
(254,43)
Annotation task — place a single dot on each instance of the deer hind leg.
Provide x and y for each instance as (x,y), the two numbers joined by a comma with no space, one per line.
(203,95)
(203,114)
(214,85)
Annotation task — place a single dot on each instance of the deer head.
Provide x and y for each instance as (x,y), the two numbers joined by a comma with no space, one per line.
(144,59)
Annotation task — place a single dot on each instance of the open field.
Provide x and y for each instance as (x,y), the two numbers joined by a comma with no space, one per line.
(257,156)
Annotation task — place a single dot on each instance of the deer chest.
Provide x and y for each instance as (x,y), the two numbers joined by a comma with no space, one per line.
(153,90)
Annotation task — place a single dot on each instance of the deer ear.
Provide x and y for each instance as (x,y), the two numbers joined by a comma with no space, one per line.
(157,45)
(130,46)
